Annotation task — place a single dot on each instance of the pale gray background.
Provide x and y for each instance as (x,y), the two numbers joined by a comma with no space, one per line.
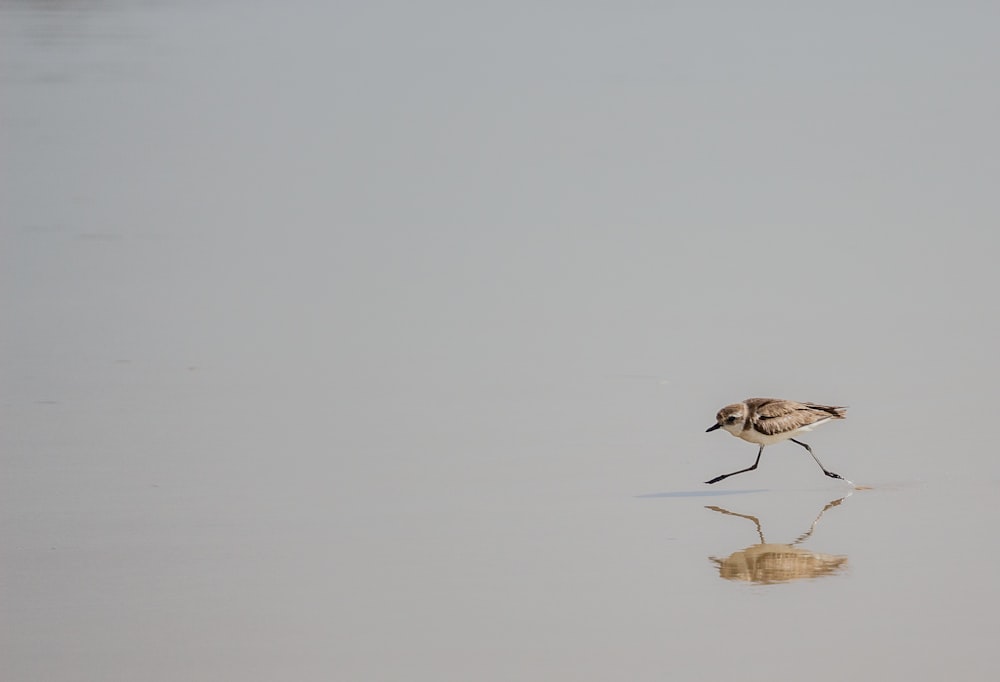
(376,340)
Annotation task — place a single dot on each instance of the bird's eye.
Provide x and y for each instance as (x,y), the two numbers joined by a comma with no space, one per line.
(730,420)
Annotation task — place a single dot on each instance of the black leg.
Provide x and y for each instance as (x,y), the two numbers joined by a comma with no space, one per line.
(828,473)
(719,478)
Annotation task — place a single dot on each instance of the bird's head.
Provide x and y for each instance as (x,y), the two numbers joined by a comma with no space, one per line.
(731,418)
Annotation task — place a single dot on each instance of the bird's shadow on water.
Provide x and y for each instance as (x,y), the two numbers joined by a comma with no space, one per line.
(704,493)
(770,563)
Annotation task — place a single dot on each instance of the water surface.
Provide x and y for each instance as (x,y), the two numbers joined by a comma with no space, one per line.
(378,341)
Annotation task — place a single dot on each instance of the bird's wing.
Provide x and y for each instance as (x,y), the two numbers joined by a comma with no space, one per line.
(835,411)
(780,416)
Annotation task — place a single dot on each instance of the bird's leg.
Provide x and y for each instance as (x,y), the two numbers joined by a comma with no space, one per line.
(828,473)
(719,478)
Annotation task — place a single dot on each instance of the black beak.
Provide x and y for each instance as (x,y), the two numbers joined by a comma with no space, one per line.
(713,427)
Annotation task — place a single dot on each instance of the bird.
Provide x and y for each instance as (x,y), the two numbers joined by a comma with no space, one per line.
(766,421)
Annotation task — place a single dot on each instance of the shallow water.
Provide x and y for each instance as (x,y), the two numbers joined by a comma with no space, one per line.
(379,342)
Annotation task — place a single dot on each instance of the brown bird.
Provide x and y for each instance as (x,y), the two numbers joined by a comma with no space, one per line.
(766,421)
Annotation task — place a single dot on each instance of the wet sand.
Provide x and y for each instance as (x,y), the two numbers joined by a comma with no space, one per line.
(379,343)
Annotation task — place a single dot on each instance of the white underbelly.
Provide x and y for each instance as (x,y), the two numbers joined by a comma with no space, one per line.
(762,439)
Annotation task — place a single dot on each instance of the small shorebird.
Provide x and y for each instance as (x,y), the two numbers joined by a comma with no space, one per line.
(766,421)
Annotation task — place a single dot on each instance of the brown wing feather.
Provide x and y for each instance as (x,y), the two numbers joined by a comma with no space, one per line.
(837,412)
(778,416)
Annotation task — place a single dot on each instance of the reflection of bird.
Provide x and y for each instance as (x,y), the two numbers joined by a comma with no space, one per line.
(766,421)
(768,563)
